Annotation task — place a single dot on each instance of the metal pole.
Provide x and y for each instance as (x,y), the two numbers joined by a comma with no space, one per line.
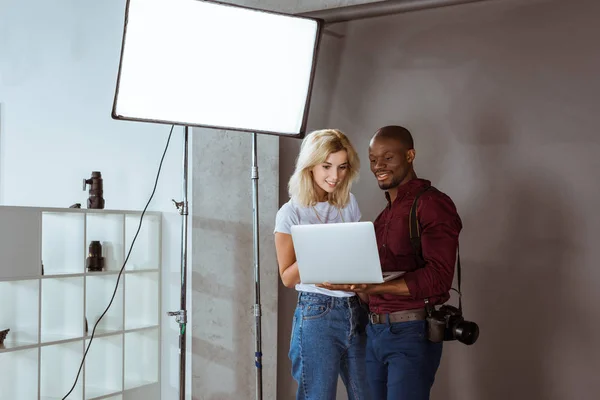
(181,315)
(379,8)
(257,308)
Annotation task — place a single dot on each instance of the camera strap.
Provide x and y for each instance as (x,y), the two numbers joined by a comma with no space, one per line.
(415,241)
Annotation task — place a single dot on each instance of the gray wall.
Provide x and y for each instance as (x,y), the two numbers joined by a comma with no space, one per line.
(222,280)
(503,100)
(324,88)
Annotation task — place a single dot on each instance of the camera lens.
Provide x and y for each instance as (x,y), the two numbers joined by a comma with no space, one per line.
(95,249)
(95,261)
(466,332)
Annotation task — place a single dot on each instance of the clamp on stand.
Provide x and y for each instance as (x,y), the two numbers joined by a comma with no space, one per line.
(181,206)
(180,316)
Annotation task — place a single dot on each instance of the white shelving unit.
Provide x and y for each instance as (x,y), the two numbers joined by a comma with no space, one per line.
(50,303)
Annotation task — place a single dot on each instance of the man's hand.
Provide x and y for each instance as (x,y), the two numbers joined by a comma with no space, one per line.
(366,288)
(395,286)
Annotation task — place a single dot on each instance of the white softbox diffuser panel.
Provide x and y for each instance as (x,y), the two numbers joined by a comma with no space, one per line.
(202,63)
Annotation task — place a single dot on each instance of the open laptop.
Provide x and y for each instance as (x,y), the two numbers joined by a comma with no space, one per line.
(338,253)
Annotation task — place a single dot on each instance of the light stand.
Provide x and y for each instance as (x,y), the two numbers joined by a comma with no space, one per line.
(181,315)
(257,306)
(268,92)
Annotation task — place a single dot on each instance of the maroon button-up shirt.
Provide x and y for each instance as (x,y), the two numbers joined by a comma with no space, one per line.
(440,226)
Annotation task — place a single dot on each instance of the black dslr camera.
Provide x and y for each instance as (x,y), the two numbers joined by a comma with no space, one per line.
(447,324)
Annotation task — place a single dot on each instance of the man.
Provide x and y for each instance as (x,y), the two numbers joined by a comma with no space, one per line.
(401,361)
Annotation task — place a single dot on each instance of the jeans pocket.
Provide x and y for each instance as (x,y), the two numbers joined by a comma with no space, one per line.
(315,310)
(297,314)
(412,329)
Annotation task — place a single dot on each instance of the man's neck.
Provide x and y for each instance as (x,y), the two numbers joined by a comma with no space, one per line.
(393,192)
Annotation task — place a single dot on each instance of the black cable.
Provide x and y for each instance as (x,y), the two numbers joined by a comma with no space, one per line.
(124,263)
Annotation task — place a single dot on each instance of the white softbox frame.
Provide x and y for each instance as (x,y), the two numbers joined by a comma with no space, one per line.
(210,64)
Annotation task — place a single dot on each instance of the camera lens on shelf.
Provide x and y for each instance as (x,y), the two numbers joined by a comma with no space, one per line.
(95,261)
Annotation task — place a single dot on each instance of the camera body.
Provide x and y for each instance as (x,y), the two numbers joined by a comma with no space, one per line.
(448,323)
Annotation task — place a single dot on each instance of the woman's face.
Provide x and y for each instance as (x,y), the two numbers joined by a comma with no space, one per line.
(328,175)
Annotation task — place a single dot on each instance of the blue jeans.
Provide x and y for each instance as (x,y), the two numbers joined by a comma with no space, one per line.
(328,340)
(401,361)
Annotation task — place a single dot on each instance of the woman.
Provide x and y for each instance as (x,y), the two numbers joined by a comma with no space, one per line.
(328,338)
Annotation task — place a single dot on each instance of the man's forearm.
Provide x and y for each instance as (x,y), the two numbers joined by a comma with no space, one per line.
(397,287)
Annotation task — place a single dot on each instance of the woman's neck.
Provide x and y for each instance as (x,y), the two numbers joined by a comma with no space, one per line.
(322,195)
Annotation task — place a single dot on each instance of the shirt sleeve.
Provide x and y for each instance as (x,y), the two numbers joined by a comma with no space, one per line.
(284,220)
(354,209)
(440,227)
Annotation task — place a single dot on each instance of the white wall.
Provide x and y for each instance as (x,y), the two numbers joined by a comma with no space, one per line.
(503,100)
(58,68)
(58,65)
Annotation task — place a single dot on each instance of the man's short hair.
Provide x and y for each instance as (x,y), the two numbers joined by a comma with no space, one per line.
(398,133)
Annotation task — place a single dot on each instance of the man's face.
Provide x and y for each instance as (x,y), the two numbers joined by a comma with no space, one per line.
(390,161)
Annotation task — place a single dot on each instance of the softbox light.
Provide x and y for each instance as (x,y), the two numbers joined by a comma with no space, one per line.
(209,64)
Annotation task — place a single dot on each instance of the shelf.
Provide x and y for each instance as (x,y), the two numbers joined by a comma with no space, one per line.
(62,243)
(99,290)
(59,339)
(101,273)
(54,398)
(108,229)
(18,375)
(141,300)
(47,296)
(62,309)
(101,332)
(62,276)
(19,304)
(145,254)
(104,366)
(142,271)
(111,396)
(141,349)
(21,226)
(58,370)
(10,345)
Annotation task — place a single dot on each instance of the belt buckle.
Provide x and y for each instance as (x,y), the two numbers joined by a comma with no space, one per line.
(374,318)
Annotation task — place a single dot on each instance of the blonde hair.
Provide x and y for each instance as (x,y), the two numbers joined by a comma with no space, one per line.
(315,149)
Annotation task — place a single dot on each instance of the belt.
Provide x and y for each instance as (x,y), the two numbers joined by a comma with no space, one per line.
(398,316)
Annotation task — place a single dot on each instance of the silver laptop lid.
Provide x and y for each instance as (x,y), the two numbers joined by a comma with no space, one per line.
(337,253)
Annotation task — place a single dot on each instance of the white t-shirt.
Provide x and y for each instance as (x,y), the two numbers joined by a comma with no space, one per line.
(291,213)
